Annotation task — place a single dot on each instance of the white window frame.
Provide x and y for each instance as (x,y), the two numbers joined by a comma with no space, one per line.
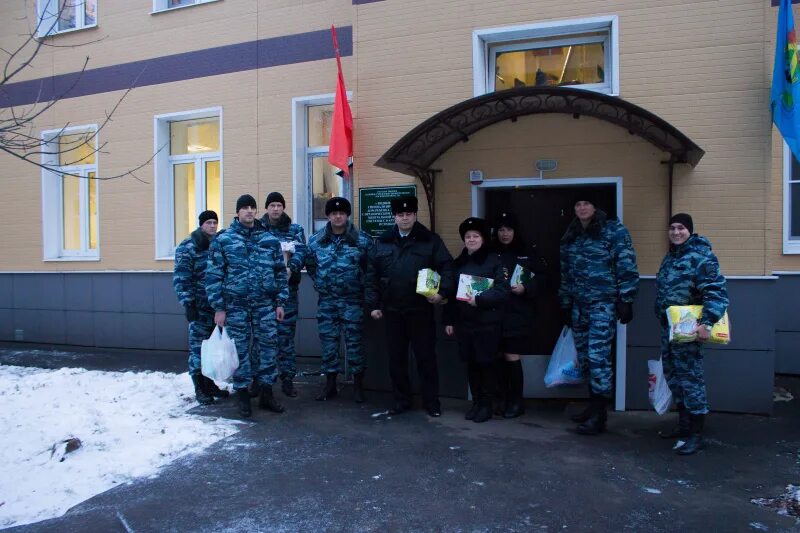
(302,155)
(52,198)
(160,6)
(46,11)
(790,246)
(486,42)
(164,192)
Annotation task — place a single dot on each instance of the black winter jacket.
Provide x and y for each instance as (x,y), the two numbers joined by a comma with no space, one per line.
(490,303)
(520,311)
(395,262)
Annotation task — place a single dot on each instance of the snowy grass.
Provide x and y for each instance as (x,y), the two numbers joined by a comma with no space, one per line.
(130,425)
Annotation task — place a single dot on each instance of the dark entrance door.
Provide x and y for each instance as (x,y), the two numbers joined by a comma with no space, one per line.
(544,214)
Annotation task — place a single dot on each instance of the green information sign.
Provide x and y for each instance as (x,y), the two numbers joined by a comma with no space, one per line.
(375,205)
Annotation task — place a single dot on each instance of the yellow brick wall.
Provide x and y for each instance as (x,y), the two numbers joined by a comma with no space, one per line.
(703,66)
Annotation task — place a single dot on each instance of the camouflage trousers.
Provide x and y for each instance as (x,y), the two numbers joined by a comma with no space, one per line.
(287,357)
(254,331)
(594,325)
(337,318)
(683,368)
(199,330)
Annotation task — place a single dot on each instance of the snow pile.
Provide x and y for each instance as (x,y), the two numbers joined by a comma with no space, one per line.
(787,504)
(128,424)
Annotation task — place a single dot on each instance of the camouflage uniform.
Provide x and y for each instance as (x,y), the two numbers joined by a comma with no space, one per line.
(191,257)
(689,275)
(598,269)
(338,266)
(246,278)
(285,231)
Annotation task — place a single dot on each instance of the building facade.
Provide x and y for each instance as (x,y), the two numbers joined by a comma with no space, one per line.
(215,98)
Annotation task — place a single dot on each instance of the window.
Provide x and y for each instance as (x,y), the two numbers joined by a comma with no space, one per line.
(315,180)
(58,16)
(188,174)
(69,203)
(166,5)
(791,202)
(575,53)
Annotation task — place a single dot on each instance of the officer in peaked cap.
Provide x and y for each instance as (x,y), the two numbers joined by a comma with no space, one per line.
(399,254)
(336,261)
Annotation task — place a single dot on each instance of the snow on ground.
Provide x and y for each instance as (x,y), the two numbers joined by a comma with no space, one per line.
(129,424)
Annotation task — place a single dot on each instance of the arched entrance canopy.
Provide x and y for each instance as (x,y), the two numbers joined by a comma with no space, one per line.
(419,148)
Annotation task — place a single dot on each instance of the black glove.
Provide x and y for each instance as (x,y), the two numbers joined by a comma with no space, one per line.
(624,312)
(566,316)
(191,313)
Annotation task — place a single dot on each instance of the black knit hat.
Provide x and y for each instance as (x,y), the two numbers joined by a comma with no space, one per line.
(246,200)
(683,218)
(404,204)
(474,224)
(585,195)
(207,215)
(275,197)
(506,220)
(337,203)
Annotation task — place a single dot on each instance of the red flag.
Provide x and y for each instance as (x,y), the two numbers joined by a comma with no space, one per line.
(341,145)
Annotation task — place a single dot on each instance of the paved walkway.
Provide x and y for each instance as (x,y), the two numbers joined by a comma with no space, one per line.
(339,466)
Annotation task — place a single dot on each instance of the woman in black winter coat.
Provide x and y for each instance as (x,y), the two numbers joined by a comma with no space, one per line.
(477,322)
(517,330)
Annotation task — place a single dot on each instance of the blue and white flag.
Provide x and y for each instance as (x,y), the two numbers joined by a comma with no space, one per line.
(785,97)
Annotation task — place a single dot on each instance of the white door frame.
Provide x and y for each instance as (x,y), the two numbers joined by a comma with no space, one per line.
(479,210)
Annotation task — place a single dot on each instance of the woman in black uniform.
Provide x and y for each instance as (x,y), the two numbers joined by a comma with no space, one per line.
(477,321)
(517,329)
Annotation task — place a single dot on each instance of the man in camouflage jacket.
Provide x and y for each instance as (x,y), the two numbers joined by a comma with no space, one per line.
(599,281)
(689,275)
(191,257)
(247,287)
(293,242)
(337,260)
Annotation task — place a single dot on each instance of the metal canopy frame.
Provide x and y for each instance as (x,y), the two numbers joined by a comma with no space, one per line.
(418,149)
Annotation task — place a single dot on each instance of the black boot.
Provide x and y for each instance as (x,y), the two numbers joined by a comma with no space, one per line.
(474,379)
(254,389)
(485,407)
(695,441)
(200,393)
(681,431)
(502,387)
(267,400)
(358,388)
(244,403)
(213,390)
(583,416)
(287,386)
(329,391)
(515,405)
(596,422)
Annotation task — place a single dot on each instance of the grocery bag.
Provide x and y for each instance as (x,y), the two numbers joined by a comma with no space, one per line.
(218,358)
(564,368)
(658,391)
(428,282)
(682,320)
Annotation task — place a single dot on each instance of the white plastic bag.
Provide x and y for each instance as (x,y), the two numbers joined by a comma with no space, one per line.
(659,393)
(564,368)
(218,358)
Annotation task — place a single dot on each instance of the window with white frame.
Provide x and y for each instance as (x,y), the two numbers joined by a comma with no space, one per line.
(166,5)
(69,187)
(58,16)
(579,53)
(791,202)
(188,174)
(316,180)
